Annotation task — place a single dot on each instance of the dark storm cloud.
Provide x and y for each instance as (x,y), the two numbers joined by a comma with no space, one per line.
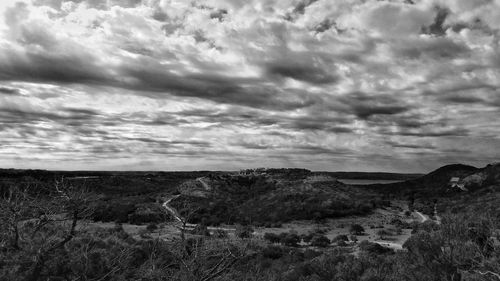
(13,115)
(45,67)
(317,150)
(435,132)
(434,48)
(410,145)
(466,93)
(437,27)
(303,72)
(365,106)
(220,89)
(218,14)
(9,91)
(295,148)
(325,25)
(250,118)
(159,142)
(147,75)
(299,9)
(462,99)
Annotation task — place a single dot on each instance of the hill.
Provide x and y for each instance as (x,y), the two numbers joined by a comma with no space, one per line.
(271,196)
(485,177)
(434,184)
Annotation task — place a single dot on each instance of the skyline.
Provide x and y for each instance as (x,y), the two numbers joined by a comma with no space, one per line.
(394,86)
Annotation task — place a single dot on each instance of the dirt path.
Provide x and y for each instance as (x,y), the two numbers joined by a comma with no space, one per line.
(205,185)
(423,217)
(396,246)
(177,216)
(171,210)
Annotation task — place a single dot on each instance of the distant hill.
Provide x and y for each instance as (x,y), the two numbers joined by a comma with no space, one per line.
(370,175)
(272,196)
(436,183)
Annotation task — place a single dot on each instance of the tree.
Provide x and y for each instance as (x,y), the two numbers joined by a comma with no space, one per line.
(461,246)
(356,229)
(40,225)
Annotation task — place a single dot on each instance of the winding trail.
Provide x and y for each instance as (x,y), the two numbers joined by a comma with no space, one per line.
(171,210)
(391,245)
(423,218)
(399,245)
(178,218)
(204,184)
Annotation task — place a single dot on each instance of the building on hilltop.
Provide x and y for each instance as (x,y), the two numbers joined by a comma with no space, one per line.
(455,182)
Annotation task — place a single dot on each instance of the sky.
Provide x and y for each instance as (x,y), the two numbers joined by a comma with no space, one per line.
(354,85)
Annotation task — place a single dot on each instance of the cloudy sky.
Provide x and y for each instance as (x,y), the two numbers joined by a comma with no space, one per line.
(366,85)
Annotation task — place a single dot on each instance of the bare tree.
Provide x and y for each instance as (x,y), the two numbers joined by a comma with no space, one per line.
(37,225)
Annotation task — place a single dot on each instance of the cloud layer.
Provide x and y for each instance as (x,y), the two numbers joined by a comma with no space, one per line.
(184,85)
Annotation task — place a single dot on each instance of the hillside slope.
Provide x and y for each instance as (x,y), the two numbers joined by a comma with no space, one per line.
(434,184)
(272,196)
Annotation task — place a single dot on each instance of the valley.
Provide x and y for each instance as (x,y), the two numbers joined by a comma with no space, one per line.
(266,214)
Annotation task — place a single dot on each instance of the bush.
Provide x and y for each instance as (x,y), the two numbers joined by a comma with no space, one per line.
(320,241)
(152,227)
(383,233)
(353,238)
(289,239)
(271,237)
(273,252)
(374,248)
(341,243)
(356,229)
(340,237)
(307,237)
(219,233)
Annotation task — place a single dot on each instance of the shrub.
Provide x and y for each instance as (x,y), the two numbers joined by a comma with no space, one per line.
(244,231)
(356,229)
(374,248)
(290,239)
(273,252)
(320,241)
(340,237)
(341,243)
(353,238)
(271,237)
(152,227)
(219,233)
(307,237)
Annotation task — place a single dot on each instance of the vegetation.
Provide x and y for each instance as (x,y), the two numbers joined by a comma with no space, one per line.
(357,229)
(43,236)
(272,198)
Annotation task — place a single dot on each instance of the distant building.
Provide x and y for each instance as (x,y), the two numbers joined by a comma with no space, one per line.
(455,182)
